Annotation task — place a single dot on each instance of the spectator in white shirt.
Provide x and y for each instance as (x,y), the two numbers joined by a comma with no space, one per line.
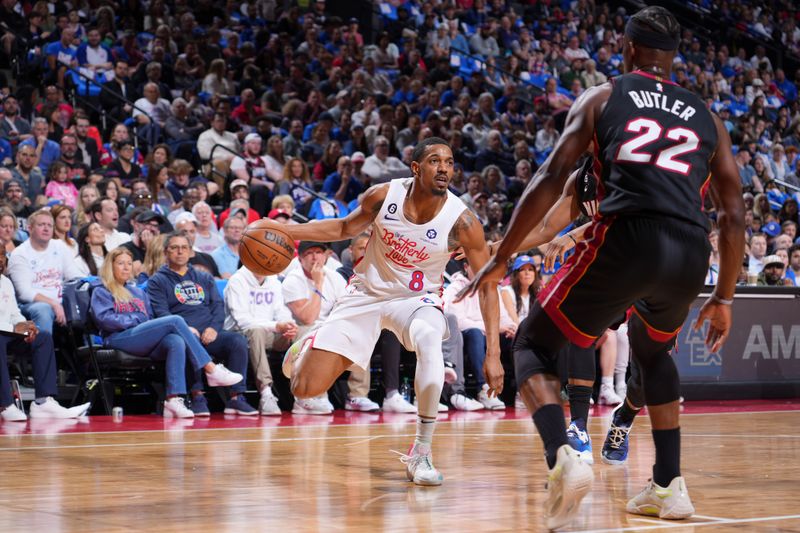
(208,237)
(38,268)
(254,307)
(381,167)
(218,135)
(39,345)
(310,292)
(151,105)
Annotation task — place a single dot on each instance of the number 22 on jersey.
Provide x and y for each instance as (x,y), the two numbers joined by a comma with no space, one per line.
(649,131)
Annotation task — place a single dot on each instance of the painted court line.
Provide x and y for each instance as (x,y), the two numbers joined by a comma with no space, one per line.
(249,441)
(687,525)
(364,438)
(410,420)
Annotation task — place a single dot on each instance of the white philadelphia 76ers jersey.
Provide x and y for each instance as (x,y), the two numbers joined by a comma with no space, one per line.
(402,258)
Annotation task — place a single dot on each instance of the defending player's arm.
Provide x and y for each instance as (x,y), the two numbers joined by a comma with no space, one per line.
(559,246)
(467,232)
(340,229)
(726,193)
(562,213)
(548,183)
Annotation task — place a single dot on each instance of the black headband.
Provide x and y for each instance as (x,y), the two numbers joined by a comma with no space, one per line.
(640,33)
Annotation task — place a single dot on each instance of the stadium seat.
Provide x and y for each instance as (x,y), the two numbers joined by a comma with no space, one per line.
(221,284)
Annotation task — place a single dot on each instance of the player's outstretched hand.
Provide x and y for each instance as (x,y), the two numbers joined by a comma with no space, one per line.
(490,275)
(557,249)
(494,373)
(719,318)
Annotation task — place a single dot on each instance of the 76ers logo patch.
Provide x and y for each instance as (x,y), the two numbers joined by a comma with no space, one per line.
(189,293)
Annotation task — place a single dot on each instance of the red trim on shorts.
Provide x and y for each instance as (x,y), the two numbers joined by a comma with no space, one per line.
(704,190)
(656,334)
(554,294)
(598,175)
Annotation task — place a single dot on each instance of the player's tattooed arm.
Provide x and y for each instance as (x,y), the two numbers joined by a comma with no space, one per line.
(464,222)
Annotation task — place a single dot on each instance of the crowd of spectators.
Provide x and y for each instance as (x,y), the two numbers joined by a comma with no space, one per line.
(124,121)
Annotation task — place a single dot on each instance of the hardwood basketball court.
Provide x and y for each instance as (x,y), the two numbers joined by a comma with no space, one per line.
(741,461)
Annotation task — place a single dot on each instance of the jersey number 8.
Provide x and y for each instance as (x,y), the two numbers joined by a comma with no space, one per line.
(417,281)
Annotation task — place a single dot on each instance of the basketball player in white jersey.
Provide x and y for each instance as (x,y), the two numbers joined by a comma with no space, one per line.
(417,225)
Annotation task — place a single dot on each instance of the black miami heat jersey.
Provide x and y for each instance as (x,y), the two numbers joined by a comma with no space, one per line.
(655,142)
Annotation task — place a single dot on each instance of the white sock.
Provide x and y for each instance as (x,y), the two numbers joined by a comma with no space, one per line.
(425,429)
(607,381)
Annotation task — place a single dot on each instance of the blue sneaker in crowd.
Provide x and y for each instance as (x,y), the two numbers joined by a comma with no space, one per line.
(615,447)
(199,405)
(579,440)
(239,406)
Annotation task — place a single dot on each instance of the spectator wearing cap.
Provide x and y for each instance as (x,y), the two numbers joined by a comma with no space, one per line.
(226,256)
(240,193)
(186,223)
(772,272)
(47,151)
(342,104)
(357,141)
(208,237)
(38,268)
(517,295)
(381,167)
(105,212)
(146,226)
(310,293)
(282,216)
(17,202)
(13,127)
(250,166)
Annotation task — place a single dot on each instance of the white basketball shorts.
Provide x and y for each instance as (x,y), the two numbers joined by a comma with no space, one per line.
(356,321)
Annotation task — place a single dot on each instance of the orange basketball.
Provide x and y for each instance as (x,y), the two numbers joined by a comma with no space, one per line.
(265,249)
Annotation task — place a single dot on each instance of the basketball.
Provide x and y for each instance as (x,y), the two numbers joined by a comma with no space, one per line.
(265,249)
